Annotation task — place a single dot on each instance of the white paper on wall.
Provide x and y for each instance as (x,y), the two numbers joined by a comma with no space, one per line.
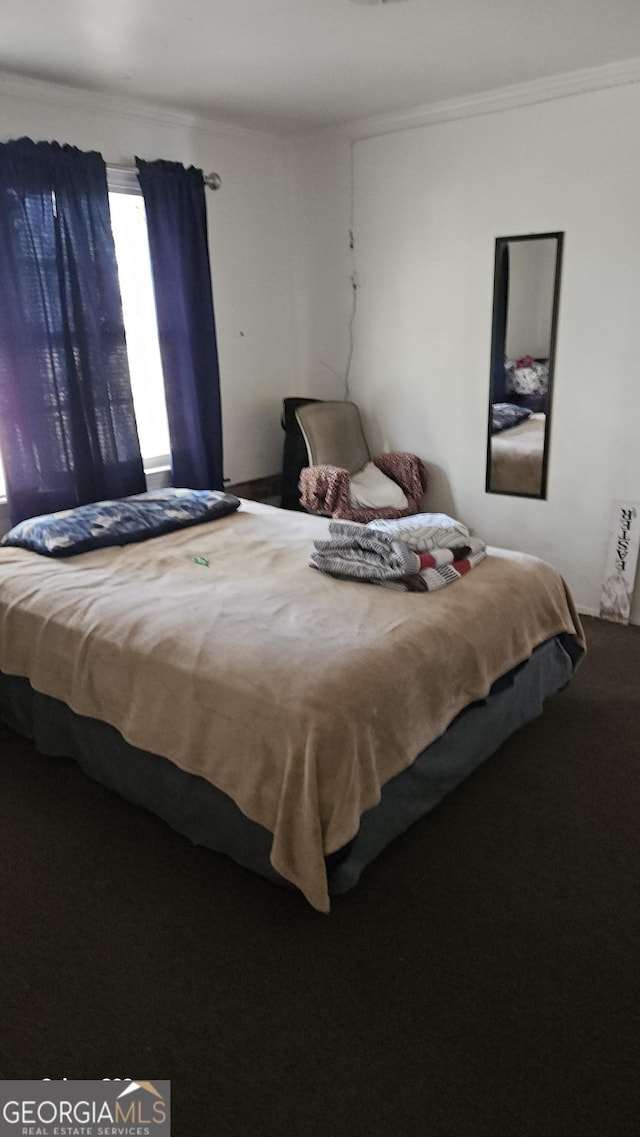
(621,562)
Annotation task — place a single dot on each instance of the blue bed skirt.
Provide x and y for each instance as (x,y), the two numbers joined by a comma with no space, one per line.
(208,817)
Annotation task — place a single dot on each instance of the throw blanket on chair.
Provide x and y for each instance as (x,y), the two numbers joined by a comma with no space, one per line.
(416,554)
(325,489)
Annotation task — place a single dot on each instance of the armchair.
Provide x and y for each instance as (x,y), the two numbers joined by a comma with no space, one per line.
(337,450)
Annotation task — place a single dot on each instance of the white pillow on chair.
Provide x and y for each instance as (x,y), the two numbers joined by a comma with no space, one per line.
(371,489)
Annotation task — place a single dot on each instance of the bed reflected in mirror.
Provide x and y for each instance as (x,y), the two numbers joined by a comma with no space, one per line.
(525,315)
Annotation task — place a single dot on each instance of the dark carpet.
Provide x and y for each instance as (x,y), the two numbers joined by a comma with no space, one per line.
(482,979)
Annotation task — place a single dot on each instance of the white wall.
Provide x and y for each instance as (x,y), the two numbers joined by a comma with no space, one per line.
(320,178)
(427,204)
(248,234)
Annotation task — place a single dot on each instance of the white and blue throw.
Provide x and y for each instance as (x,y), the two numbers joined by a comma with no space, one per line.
(122,521)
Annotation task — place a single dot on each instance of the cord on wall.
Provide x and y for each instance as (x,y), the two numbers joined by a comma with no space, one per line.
(354,306)
(355,282)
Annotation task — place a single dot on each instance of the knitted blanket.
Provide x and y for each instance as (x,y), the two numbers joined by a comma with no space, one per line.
(325,489)
(421,553)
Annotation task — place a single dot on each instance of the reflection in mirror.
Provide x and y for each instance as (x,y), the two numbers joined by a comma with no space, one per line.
(525,314)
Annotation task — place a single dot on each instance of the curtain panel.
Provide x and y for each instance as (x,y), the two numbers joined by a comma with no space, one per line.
(67,425)
(175,206)
(499,329)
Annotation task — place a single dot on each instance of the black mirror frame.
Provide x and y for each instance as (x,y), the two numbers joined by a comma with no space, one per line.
(496,331)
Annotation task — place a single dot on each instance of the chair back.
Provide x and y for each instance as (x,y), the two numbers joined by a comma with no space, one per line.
(294,453)
(333,435)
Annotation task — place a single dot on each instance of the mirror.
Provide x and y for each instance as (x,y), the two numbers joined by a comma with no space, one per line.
(525,314)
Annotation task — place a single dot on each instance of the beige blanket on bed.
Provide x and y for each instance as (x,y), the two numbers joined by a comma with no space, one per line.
(296,694)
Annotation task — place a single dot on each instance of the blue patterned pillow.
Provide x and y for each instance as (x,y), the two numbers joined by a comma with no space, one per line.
(119,522)
(504,415)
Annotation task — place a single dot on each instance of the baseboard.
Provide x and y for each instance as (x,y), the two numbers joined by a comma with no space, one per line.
(582,611)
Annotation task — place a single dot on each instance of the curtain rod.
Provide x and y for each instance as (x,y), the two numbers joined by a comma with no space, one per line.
(212,181)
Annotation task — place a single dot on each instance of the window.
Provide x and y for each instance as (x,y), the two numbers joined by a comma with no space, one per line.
(129,225)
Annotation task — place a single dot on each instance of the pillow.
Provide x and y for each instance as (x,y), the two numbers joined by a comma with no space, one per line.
(504,415)
(119,522)
(531,378)
(371,489)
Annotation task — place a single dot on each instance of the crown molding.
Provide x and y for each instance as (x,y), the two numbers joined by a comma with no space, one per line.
(488,102)
(500,99)
(43,90)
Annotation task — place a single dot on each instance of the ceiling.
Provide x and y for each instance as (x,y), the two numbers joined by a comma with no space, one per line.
(289,66)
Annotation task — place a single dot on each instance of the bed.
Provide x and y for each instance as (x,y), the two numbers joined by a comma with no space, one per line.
(517,457)
(295,722)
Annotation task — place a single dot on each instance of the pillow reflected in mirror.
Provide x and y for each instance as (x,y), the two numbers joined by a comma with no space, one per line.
(504,415)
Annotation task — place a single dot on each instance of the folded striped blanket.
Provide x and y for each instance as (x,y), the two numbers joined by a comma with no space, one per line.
(412,554)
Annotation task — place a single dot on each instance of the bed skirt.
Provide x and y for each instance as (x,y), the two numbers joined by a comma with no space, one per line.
(208,817)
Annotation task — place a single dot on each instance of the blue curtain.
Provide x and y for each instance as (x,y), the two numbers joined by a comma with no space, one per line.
(177,224)
(67,425)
